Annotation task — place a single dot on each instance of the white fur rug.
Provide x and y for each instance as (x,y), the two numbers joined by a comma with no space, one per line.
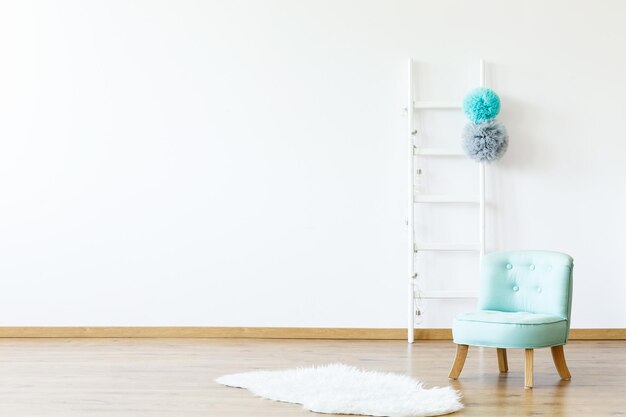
(343,389)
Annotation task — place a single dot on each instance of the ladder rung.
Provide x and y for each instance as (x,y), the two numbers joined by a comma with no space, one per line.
(437,105)
(438,151)
(461,247)
(448,294)
(444,198)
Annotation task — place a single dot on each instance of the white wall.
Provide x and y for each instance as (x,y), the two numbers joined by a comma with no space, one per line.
(243,162)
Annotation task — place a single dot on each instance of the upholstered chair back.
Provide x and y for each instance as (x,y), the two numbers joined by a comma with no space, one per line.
(528,281)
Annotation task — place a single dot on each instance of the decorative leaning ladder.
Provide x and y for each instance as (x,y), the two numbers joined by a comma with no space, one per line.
(417,198)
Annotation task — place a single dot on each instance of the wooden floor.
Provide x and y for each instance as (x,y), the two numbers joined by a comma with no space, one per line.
(174,377)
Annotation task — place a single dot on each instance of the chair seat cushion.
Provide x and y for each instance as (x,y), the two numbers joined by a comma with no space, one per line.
(509,329)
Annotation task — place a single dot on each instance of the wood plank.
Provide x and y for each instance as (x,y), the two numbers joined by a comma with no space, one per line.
(597,334)
(267,333)
(174,377)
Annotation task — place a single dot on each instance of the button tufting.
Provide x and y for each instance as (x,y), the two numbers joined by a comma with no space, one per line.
(538,289)
(509,266)
(516,288)
(532,267)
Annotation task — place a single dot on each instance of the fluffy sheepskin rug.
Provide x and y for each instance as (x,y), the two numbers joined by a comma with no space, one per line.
(343,389)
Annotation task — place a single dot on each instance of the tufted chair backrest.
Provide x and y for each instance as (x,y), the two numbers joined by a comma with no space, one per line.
(529,281)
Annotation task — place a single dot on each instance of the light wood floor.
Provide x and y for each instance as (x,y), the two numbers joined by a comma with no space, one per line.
(174,377)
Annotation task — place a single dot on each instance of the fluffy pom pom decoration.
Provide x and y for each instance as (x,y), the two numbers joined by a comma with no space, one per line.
(485,141)
(481,104)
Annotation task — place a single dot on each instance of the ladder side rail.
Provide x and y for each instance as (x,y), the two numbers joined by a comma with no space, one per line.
(481,182)
(411,209)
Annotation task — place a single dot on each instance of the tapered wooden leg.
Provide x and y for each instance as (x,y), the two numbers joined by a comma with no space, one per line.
(503,364)
(459,361)
(559,361)
(528,374)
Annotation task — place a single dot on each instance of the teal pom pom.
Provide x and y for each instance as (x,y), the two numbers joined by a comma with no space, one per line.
(481,105)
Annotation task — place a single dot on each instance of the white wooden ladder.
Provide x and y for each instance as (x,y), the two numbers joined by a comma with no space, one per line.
(415,197)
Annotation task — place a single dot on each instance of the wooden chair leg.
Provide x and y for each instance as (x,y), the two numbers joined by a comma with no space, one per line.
(503,364)
(528,374)
(459,361)
(559,361)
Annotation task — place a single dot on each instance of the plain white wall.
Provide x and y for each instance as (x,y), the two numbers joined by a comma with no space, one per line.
(243,162)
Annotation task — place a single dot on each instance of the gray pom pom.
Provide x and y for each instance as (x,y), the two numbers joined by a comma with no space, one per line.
(485,141)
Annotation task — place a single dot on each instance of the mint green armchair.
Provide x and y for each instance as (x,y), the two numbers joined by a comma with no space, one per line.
(525,302)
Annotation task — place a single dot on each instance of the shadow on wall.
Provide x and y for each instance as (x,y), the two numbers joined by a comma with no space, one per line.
(526,152)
